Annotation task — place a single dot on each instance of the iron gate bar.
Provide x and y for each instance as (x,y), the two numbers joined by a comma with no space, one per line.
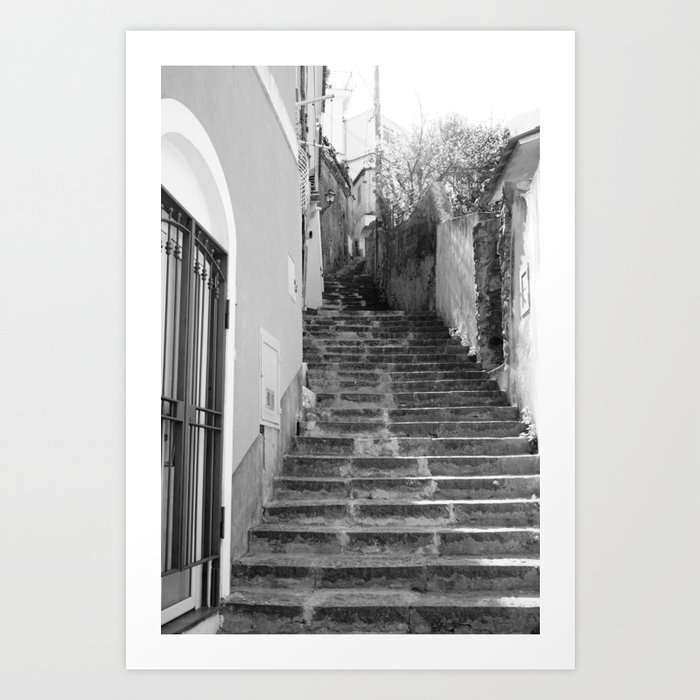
(192,406)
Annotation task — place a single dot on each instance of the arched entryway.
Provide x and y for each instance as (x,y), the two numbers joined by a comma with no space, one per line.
(198,255)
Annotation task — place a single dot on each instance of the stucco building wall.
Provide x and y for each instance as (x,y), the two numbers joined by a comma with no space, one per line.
(519,375)
(260,168)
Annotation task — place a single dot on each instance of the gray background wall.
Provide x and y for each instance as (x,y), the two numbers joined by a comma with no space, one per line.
(62,179)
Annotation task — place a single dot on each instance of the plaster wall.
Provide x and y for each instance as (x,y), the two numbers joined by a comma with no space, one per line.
(260,167)
(254,478)
(455,286)
(314,264)
(363,203)
(520,374)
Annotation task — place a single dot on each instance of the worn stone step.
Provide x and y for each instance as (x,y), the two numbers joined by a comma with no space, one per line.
(416,429)
(380,347)
(463,364)
(445,413)
(332,343)
(408,487)
(347,466)
(438,399)
(386,386)
(384,540)
(347,611)
(285,571)
(372,320)
(419,446)
(372,376)
(390,358)
(349,348)
(383,317)
(508,512)
(376,334)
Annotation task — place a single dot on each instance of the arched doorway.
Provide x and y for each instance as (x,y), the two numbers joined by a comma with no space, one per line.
(197,280)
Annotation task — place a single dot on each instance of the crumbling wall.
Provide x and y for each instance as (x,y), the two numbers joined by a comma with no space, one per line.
(402,260)
(488,283)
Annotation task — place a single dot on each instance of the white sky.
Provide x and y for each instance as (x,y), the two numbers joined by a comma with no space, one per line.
(475,88)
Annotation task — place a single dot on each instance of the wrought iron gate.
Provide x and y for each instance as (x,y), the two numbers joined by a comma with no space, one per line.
(193,321)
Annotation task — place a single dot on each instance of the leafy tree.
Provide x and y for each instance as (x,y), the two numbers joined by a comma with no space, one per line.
(449,150)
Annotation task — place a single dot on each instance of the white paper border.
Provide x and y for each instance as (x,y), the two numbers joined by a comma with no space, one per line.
(545,58)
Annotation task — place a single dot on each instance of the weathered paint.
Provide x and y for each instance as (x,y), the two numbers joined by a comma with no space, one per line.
(253,479)
(455,286)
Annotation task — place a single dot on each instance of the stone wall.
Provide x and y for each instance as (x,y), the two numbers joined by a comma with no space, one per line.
(468,283)
(335,220)
(402,260)
(488,282)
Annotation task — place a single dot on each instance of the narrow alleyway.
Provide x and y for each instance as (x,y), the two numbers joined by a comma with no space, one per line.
(411,503)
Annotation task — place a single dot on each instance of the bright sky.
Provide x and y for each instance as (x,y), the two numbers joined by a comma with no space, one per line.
(480,90)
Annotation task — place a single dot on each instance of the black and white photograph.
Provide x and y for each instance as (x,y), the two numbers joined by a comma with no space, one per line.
(381,303)
(356,292)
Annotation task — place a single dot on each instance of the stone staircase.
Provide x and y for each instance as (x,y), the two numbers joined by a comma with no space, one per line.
(410,504)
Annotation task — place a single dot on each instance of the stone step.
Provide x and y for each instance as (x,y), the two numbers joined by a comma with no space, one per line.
(380,344)
(390,327)
(450,413)
(415,429)
(346,611)
(427,337)
(374,376)
(360,350)
(346,297)
(387,315)
(384,385)
(369,323)
(354,305)
(379,358)
(409,487)
(441,540)
(439,399)
(374,467)
(460,365)
(509,512)
(294,571)
(414,415)
(406,446)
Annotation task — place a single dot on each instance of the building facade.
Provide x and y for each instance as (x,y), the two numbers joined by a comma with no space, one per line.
(236,264)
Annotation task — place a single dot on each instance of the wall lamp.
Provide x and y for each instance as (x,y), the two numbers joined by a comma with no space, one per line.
(330,198)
